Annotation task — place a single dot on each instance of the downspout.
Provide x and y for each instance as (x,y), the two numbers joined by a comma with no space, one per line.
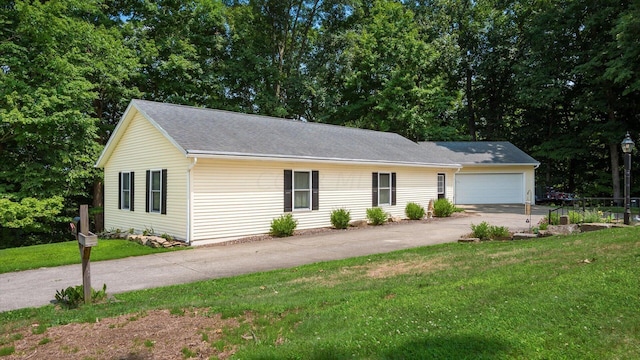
(189,210)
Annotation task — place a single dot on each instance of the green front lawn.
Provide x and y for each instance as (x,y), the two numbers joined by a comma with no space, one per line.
(65,253)
(574,297)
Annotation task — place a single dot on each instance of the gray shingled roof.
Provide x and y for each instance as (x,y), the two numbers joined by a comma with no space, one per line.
(201,131)
(478,153)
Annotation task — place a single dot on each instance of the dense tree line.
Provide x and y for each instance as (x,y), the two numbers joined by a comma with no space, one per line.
(557,78)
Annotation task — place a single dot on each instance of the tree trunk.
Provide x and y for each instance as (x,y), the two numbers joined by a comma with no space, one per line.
(615,172)
(98,204)
(472,114)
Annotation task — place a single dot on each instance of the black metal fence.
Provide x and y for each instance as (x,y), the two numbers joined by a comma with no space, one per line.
(612,208)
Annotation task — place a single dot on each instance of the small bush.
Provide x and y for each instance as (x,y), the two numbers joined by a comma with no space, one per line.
(73,296)
(484,231)
(283,226)
(480,231)
(592,216)
(340,218)
(414,211)
(575,217)
(376,216)
(498,232)
(555,219)
(443,208)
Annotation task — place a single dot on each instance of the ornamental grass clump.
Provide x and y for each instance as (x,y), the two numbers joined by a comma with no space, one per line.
(376,216)
(283,226)
(414,211)
(340,218)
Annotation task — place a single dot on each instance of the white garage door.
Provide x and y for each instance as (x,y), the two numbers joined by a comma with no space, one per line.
(489,189)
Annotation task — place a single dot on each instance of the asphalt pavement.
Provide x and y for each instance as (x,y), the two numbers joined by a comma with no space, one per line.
(34,288)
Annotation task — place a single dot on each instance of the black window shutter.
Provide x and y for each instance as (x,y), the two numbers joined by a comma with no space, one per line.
(148,188)
(393,188)
(131,186)
(288,190)
(119,190)
(163,194)
(374,189)
(315,178)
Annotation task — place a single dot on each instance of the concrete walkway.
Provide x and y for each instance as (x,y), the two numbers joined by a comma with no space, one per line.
(33,288)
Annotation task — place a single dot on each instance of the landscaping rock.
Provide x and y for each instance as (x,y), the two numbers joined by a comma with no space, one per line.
(394,219)
(564,220)
(468,240)
(358,223)
(524,236)
(595,226)
(563,229)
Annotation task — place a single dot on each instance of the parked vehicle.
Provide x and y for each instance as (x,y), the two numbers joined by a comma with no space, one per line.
(552,196)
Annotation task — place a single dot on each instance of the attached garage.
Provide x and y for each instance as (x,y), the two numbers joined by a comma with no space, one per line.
(493,172)
(489,188)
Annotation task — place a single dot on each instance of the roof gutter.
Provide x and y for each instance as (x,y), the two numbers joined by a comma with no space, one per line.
(274,157)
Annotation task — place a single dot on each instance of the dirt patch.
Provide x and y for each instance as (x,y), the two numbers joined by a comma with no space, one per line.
(378,271)
(156,334)
(395,268)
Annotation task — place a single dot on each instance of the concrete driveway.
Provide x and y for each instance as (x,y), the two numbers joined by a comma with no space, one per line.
(33,288)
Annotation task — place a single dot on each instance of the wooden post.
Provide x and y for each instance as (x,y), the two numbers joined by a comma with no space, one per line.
(85,253)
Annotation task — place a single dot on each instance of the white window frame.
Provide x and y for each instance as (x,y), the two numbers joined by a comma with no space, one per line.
(153,191)
(294,190)
(441,182)
(124,197)
(388,189)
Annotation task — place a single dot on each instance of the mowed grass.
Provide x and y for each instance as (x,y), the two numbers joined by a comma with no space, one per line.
(66,253)
(575,297)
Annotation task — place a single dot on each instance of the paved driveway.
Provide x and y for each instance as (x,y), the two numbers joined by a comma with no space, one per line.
(34,288)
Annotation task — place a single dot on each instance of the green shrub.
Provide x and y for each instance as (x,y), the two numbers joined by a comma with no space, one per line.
(414,211)
(376,216)
(73,296)
(592,216)
(340,218)
(498,232)
(480,231)
(555,219)
(484,231)
(575,217)
(283,226)
(443,208)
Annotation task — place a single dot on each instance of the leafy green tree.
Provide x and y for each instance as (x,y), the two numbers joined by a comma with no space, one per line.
(62,76)
(386,76)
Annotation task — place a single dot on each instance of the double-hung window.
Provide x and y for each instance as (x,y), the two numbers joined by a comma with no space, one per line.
(301,190)
(383,189)
(125,194)
(157,191)
(441,186)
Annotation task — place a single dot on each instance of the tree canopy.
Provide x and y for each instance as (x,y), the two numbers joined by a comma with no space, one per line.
(557,78)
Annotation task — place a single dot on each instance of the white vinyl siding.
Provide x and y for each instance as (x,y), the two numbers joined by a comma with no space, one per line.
(236,198)
(141,148)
